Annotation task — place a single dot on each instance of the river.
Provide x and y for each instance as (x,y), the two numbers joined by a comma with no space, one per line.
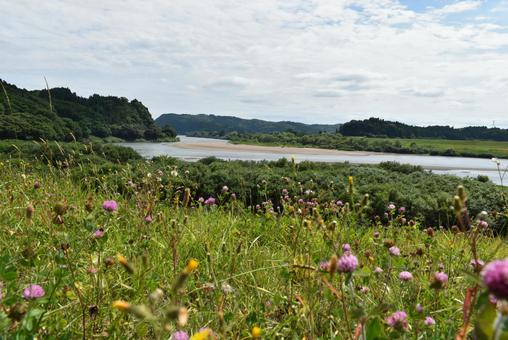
(193,149)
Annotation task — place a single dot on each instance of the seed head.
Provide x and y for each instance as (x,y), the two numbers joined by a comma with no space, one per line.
(60,208)
(29,211)
(332,264)
(461,191)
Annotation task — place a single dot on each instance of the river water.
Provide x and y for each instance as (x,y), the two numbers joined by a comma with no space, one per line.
(193,149)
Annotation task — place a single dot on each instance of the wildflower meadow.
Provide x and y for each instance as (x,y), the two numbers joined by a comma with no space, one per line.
(138,251)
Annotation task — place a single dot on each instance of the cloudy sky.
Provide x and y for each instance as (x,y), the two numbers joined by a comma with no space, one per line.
(327,61)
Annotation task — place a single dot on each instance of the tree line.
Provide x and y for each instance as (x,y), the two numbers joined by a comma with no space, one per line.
(60,114)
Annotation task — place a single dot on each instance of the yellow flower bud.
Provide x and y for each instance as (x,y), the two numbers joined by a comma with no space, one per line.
(256,332)
(191,266)
(202,335)
(121,305)
(122,260)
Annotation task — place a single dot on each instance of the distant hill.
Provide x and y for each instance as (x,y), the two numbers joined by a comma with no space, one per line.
(188,124)
(375,127)
(26,114)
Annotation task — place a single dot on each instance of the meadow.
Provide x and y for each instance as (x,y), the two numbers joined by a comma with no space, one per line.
(105,244)
(494,148)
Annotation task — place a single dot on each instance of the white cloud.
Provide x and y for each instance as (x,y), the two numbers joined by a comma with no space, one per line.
(460,6)
(306,60)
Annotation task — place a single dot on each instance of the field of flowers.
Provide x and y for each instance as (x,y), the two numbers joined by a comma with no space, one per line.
(145,256)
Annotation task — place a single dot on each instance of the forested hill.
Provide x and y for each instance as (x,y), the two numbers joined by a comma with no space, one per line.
(34,114)
(188,124)
(375,127)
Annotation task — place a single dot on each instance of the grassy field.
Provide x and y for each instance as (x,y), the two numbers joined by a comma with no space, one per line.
(500,149)
(156,262)
(442,147)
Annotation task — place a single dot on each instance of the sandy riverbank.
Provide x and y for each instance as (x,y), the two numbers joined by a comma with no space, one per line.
(216,146)
(221,145)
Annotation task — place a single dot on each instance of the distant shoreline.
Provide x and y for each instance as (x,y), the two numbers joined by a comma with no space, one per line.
(226,146)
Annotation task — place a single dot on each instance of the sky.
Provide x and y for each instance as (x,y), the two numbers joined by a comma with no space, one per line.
(314,61)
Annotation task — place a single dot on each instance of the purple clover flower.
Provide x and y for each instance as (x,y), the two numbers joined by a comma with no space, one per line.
(110,205)
(495,277)
(395,251)
(99,233)
(324,266)
(210,201)
(429,321)
(180,335)
(398,320)
(347,263)
(33,291)
(439,280)
(346,247)
(440,277)
(405,276)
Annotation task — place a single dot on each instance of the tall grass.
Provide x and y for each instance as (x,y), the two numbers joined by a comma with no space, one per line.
(164,260)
